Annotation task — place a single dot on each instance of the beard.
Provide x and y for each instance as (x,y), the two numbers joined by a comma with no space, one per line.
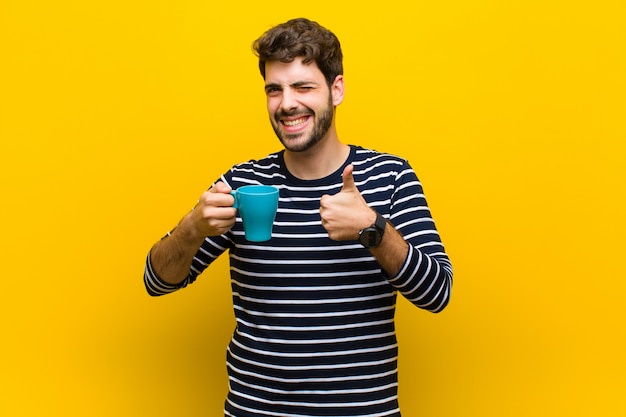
(322,123)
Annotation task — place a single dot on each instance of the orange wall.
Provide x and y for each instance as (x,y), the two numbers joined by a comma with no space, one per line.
(116,115)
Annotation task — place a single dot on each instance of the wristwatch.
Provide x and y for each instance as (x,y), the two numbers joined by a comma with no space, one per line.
(371,236)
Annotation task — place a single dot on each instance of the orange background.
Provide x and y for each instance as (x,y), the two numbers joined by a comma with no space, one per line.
(115,116)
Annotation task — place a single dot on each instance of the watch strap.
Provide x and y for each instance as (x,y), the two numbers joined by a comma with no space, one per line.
(380,223)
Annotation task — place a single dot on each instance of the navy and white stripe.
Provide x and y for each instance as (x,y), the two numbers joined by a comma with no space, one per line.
(315,329)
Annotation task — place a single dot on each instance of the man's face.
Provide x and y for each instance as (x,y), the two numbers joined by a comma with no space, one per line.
(299,102)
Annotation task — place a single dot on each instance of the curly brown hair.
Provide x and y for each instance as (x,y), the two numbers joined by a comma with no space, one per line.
(304,38)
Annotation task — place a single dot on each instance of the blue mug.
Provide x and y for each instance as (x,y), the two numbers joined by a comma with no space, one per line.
(257,205)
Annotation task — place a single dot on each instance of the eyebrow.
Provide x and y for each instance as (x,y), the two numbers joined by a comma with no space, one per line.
(303,83)
(271,85)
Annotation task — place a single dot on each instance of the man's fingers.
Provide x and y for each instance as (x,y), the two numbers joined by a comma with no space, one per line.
(217,196)
(220,187)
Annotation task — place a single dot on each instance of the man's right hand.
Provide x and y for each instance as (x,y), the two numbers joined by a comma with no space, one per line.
(214,214)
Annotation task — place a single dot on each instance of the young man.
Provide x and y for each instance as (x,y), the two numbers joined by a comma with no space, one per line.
(315,304)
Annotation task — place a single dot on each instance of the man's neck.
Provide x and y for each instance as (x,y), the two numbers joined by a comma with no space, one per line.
(318,162)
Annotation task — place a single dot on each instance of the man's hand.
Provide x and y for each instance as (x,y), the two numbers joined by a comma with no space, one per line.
(346,213)
(214,214)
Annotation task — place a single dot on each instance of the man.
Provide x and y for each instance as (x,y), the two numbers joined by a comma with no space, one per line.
(315,304)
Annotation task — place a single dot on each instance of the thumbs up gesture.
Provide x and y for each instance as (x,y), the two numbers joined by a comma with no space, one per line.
(346,213)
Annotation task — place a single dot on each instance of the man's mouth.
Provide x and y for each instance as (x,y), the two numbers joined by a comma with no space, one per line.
(295,122)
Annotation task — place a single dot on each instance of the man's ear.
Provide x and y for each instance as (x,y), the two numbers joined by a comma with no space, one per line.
(337,90)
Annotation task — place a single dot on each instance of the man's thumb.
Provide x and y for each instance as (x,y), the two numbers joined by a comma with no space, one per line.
(348,179)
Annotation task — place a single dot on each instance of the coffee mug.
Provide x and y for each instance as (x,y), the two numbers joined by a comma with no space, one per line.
(257,205)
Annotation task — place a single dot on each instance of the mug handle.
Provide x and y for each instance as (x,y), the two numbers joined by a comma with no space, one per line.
(236,203)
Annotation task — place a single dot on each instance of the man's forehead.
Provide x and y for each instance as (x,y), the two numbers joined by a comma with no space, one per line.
(290,72)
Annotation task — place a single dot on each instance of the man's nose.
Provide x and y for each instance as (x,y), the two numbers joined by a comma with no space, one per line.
(289,100)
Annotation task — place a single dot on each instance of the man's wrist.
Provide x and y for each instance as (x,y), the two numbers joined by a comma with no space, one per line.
(371,236)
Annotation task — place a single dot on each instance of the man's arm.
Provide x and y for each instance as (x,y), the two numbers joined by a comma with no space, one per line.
(346,213)
(423,276)
(214,215)
(392,251)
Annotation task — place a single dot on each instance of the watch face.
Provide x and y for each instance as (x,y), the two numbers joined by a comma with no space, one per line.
(370,237)
(373,235)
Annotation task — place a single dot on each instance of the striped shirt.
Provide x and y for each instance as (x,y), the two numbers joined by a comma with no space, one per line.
(315,329)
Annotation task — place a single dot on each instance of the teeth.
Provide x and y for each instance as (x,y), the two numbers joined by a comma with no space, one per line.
(294,122)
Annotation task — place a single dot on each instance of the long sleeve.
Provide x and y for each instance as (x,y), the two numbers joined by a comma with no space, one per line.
(315,316)
(155,285)
(425,280)
(426,276)
(210,250)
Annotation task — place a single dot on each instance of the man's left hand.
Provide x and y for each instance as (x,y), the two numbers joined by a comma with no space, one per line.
(346,213)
